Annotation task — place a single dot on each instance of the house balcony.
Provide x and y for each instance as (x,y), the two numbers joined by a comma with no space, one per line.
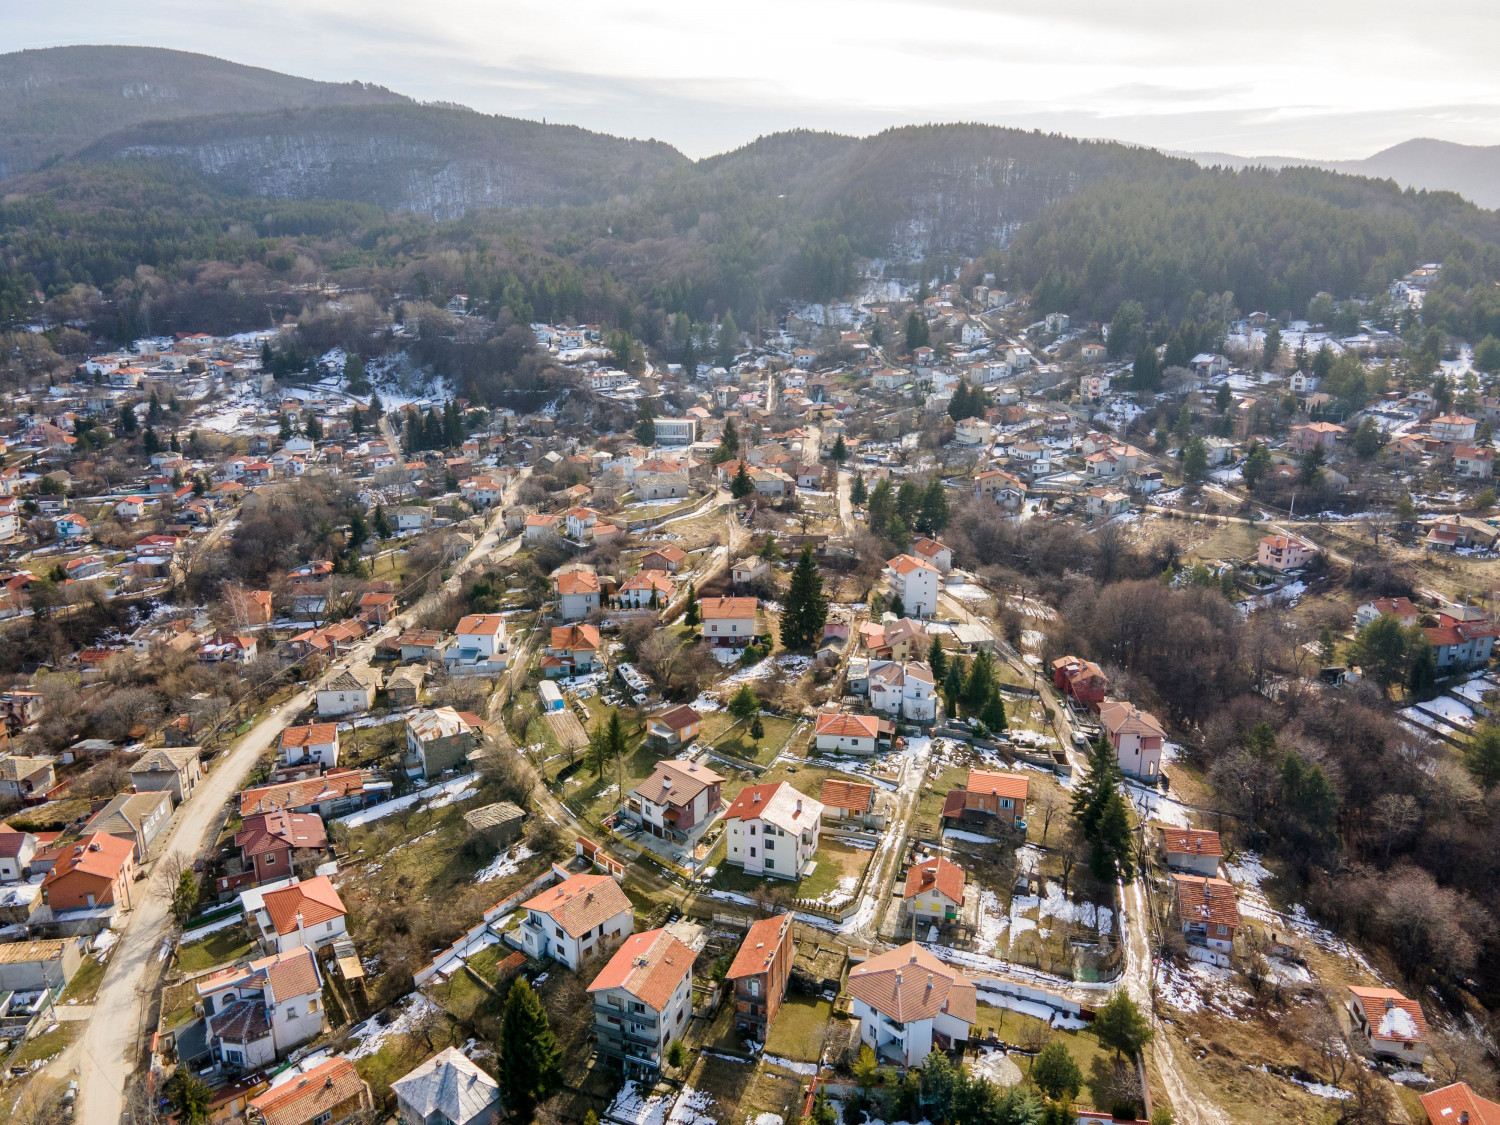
(641,1018)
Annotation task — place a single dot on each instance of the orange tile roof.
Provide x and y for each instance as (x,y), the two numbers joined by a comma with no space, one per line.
(840,725)
(578,582)
(295,794)
(318,1091)
(480,624)
(908,983)
(580,903)
(1191,841)
(1206,900)
(649,966)
(759,947)
(574,638)
(100,854)
(1374,1000)
(998,784)
(1126,718)
(946,876)
(846,794)
(315,899)
(721,608)
(1449,1105)
(314,734)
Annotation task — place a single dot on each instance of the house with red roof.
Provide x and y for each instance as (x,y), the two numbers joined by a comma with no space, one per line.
(328,1094)
(1284,552)
(772,829)
(1192,850)
(577,919)
(1080,680)
(1136,736)
(258,1012)
(988,802)
(271,842)
(642,1000)
(308,914)
(96,871)
(934,890)
(1386,1024)
(908,1002)
(673,727)
(571,650)
(728,621)
(1206,911)
(678,801)
(1458,1104)
(315,743)
(759,974)
(1461,644)
(916,582)
(851,734)
(577,594)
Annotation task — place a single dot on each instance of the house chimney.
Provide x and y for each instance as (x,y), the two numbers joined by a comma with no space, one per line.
(898,976)
(799,806)
(755,798)
(1389,1003)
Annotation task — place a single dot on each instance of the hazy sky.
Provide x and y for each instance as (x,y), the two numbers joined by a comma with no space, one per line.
(1318,78)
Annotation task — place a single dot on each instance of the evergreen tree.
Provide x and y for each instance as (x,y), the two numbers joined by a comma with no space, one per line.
(377,408)
(1194,459)
(185,897)
(615,734)
(359,530)
(729,444)
(934,514)
(937,660)
(729,340)
(909,502)
(953,685)
(645,423)
(741,486)
(1120,1026)
(188,1095)
(382,521)
(805,610)
(1145,375)
(840,452)
(127,419)
(757,729)
(744,702)
(961,404)
(355,380)
(981,682)
(898,606)
(993,715)
(356,420)
(1481,757)
(530,1060)
(916,331)
(1421,677)
(1055,1073)
(453,426)
(770,550)
(313,426)
(858,494)
(1271,350)
(1111,854)
(881,507)
(150,442)
(691,616)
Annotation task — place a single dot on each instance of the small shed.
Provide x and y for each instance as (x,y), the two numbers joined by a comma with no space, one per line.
(404,686)
(552,697)
(499,823)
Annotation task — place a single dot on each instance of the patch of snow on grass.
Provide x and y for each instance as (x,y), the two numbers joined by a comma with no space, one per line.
(504,864)
(371,1034)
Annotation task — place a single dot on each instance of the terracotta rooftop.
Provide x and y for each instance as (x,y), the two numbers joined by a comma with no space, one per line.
(649,966)
(580,903)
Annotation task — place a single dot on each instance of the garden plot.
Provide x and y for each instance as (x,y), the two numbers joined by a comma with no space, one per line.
(632,1105)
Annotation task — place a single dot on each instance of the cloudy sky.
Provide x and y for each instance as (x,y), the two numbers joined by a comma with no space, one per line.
(1333,79)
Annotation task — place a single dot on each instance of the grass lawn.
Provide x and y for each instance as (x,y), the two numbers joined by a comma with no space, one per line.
(47,1044)
(797,1032)
(461,995)
(177,1002)
(51,817)
(738,743)
(835,861)
(85,981)
(744,1090)
(218,948)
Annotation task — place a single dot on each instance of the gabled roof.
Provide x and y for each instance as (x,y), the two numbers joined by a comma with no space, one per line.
(449,1084)
(677,718)
(759,947)
(1448,1106)
(1191,841)
(649,966)
(440,722)
(1206,900)
(906,564)
(578,582)
(295,794)
(580,903)
(711,609)
(676,782)
(998,784)
(1126,718)
(846,794)
(908,983)
(310,1094)
(100,854)
(314,734)
(315,899)
(939,873)
(1393,1017)
(165,759)
(481,625)
(574,638)
(847,726)
(776,803)
(272,831)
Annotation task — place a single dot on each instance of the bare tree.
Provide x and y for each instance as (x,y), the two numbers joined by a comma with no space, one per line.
(1046,805)
(1316,1029)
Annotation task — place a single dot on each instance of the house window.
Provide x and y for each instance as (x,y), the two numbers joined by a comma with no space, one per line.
(323,1118)
(637,1007)
(755,988)
(752,856)
(770,865)
(271,859)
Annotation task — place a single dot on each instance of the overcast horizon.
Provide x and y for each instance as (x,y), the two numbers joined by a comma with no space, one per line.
(1297,83)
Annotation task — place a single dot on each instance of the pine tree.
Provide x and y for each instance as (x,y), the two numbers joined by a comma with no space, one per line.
(916,332)
(805,610)
(729,444)
(933,516)
(993,715)
(691,616)
(744,703)
(127,419)
(356,420)
(1111,855)
(615,734)
(1055,1073)
(770,550)
(882,506)
(757,729)
(359,530)
(858,494)
(953,685)
(897,606)
(981,682)
(530,1060)
(840,452)
(150,442)
(382,522)
(960,405)
(314,426)
(1120,1026)
(741,486)
(1481,757)
(937,660)
(645,423)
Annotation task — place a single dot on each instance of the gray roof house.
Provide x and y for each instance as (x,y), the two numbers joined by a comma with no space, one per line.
(447,1089)
(175,770)
(137,817)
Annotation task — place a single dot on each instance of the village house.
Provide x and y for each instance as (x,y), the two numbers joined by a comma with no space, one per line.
(308,914)
(1303,438)
(748,569)
(1106,502)
(1453,428)
(26,779)
(905,689)
(679,800)
(772,830)
(759,974)
(1136,737)
(332,795)
(479,645)
(1402,609)
(376,607)
(137,817)
(667,558)
(258,1012)
(900,640)
(576,919)
(1458,1104)
(938,554)
(1206,911)
(99,870)
(350,692)
(329,1093)
(647,589)
(934,890)
(728,621)
(1284,552)
(988,802)
(577,594)
(1474,462)
(1386,1024)
(908,1002)
(572,651)
(1192,850)
(851,734)
(16,851)
(447,1089)
(642,1000)
(1080,680)
(438,740)
(539,525)
(673,727)
(916,582)
(271,842)
(175,770)
(1461,644)
(316,743)
(850,801)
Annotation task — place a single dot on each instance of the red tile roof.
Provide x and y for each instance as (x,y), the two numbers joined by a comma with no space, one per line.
(946,876)
(100,854)
(998,784)
(908,983)
(855,726)
(1448,1105)
(314,734)
(1375,1000)
(580,903)
(1206,900)
(318,1091)
(723,608)
(759,947)
(846,794)
(1191,841)
(649,966)
(315,899)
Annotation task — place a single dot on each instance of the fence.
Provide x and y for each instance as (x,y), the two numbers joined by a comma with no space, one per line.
(476,938)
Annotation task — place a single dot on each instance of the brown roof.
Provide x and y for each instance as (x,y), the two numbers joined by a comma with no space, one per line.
(318,1091)
(314,734)
(721,608)
(677,718)
(676,782)
(295,794)
(846,794)
(1375,1002)
(1119,717)
(578,582)
(908,983)
(947,877)
(855,726)
(314,899)
(1206,900)
(272,831)
(1190,841)
(574,638)
(649,966)
(998,784)
(580,903)
(759,946)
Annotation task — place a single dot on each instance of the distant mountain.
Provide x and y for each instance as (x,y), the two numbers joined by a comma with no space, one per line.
(1473,171)
(54,102)
(434,160)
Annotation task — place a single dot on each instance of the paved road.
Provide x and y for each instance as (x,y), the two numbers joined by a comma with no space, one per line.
(106,1054)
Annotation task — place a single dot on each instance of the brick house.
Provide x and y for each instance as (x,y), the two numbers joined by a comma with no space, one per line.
(759,974)
(988,802)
